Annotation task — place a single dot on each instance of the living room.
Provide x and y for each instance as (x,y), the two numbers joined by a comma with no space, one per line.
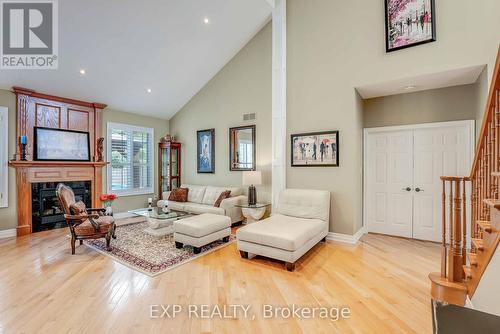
(245,142)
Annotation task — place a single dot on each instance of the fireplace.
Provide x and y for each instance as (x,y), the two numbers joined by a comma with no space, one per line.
(37,208)
(45,206)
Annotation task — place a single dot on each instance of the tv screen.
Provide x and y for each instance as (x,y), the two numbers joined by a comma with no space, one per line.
(61,145)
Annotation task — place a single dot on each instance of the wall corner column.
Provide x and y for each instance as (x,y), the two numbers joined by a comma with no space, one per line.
(278,100)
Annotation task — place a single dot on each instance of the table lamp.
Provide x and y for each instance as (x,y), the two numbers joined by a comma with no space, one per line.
(252,179)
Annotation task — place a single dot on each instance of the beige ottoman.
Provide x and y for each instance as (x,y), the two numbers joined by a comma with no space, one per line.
(198,231)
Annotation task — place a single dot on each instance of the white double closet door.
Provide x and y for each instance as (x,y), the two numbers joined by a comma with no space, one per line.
(403,166)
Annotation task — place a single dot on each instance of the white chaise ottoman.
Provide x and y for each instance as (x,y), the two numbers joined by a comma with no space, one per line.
(201,230)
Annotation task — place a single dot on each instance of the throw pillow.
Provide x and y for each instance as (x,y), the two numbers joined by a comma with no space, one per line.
(179,195)
(223,195)
(78,208)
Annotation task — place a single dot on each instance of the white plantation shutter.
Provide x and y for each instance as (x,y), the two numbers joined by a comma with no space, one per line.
(130,153)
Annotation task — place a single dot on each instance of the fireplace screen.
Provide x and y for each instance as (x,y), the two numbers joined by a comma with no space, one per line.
(47,213)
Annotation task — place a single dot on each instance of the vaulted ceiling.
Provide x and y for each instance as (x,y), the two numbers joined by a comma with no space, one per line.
(127,47)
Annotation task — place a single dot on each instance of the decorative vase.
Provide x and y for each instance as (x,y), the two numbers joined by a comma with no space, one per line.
(109,211)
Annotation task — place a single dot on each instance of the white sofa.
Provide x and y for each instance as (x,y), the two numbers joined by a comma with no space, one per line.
(201,199)
(299,223)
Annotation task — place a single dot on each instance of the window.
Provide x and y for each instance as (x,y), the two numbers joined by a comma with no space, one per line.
(130,153)
(4,169)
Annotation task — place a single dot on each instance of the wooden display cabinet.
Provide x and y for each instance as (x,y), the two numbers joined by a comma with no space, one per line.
(169,161)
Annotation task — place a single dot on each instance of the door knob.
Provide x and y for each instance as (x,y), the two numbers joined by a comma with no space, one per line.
(407,189)
(418,190)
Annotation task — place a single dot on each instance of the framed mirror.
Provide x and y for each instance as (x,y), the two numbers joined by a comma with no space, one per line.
(242,148)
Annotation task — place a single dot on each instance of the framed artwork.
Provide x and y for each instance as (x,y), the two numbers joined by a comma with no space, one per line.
(206,151)
(61,145)
(317,149)
(409,23)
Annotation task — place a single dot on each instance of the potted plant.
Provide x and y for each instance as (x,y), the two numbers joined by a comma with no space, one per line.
(108,200)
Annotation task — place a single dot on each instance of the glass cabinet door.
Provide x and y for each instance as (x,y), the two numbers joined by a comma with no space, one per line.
(165,169)
(175,162)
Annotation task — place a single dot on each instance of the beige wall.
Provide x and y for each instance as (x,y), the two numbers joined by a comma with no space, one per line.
(242,86)
(161,127)
(481,98)
(8,216)
(436,105)
(334,46)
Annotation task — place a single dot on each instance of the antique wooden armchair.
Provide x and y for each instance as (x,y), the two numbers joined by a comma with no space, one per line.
(84,223)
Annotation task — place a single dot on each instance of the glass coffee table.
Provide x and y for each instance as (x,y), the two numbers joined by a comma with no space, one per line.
(160,223)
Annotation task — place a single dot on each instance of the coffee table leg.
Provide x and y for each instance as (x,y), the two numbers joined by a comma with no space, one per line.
(178,245)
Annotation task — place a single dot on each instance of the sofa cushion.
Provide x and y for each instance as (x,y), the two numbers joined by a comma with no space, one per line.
(176,206)
(284,232)
(196,193)
(311,204)
(179,195)
(203,208)
(199,226)
(212,194)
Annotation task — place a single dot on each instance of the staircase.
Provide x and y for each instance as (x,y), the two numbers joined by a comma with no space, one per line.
(471,203)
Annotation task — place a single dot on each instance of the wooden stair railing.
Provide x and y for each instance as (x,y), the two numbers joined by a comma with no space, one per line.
(462,269)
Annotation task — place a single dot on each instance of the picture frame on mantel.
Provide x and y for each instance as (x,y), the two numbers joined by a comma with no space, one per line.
(315,149)
(409,23)
(205,152)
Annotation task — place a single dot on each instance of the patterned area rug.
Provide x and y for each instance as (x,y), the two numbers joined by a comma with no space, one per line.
(148,254)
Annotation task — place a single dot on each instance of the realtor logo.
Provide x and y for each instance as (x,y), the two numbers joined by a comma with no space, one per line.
(28,34)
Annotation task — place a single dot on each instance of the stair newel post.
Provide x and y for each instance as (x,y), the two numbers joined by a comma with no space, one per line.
(457,235)
(443,222)
(464,222)
(451,258)
(473,206)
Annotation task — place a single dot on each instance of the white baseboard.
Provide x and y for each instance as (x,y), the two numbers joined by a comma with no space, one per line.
(347,238)
(8,233)
(468,303)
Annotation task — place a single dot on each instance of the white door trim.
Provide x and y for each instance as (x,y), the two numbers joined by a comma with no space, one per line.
(469,123)
(4,160)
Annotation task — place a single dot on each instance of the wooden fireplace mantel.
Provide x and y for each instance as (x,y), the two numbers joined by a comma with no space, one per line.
(42,110)
(19,163)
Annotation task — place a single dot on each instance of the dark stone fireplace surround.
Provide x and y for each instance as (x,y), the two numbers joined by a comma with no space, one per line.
(45,205)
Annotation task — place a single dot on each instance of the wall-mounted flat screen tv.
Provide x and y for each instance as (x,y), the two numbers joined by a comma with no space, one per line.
(61,145)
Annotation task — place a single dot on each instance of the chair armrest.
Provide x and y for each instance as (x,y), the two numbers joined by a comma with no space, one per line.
(77,220)
(96,210)
(81,217)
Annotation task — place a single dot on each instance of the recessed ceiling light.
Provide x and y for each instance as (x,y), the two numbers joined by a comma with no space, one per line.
(149,90)
(409,87)
(206,20)
(82,71)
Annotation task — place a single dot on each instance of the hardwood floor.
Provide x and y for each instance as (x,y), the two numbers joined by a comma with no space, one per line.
(383,280)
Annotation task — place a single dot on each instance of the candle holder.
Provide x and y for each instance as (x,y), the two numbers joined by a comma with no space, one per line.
(23,152)
(23,140)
